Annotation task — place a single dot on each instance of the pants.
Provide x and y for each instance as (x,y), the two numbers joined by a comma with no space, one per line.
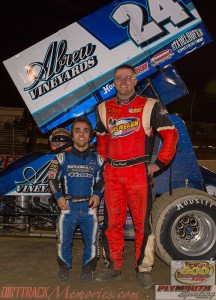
(79,214)
(128,187)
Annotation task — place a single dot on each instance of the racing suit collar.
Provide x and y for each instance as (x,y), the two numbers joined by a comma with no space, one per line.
(124,101)
(82,154)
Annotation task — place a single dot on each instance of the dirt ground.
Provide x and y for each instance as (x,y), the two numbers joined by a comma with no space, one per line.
(28,270)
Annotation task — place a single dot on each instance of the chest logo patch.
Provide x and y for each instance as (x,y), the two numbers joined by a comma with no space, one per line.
(123,127)
(133,110)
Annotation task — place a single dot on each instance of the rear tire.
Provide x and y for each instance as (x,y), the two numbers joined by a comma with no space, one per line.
(185,225)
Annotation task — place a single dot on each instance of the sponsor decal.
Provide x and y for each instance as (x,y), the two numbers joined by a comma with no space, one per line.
(182,205)
(174,292)
(161,57)
(123,127)
(142,68)
(35,181)
(51,72)
(51,175)
(80,168)
(192,272)
(187,40)
(54,165)
(39,188)
(133,110)
(60,157)
(108,88)
(80,171)
(78,174)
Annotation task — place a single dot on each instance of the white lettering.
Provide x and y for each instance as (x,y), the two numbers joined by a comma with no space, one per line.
(107,88)
(180,206)
(160,12)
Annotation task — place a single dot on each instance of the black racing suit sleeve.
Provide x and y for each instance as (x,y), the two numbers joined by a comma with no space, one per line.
(159,117)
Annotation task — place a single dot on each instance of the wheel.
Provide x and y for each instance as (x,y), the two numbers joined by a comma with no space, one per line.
(185,225)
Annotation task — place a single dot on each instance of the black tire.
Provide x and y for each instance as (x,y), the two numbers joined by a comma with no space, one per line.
(185,225)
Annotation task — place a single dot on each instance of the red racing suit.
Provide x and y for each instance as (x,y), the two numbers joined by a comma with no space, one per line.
(124,139)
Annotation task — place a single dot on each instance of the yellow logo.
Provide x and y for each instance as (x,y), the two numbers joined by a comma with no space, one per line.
(125,126)
(194,272)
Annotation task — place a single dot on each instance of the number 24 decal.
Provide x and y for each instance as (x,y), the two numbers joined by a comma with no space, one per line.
(144,27)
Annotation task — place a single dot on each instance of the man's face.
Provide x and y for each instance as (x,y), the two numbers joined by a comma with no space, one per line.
(81,136)
(124,82)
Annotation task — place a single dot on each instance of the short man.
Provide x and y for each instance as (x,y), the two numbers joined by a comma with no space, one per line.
(75,180)
(124,139)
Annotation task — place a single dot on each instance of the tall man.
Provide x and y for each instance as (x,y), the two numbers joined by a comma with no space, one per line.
(76,182)
(125,129)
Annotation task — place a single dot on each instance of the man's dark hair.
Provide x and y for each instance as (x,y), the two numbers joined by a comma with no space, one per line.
(125,66)
(84,120)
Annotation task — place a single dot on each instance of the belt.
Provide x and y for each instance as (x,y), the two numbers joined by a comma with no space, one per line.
(77,199)
(129,162)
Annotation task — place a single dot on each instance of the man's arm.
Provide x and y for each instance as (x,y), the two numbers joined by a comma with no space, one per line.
(169,134)
(99,184)
(101,131)
(54,182)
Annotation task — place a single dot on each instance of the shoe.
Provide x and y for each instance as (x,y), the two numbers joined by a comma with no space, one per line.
(108,274)
(145,280)
(86,275)
(63,274)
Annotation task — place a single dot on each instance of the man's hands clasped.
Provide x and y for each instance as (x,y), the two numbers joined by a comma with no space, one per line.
(94,201)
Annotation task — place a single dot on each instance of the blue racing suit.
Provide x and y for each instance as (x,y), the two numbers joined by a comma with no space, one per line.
(76,176)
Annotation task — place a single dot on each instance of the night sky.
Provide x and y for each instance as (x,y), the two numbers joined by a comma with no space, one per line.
(26,22)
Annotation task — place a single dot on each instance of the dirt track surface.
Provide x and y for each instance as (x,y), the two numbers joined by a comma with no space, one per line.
(28,270)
